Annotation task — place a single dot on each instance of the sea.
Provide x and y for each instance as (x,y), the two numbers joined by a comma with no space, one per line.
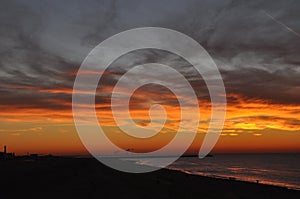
(274,169)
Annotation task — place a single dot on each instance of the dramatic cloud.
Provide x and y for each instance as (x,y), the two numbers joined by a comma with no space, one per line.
(256,45)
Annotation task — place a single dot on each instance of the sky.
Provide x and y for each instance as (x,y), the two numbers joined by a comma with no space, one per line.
(255,44)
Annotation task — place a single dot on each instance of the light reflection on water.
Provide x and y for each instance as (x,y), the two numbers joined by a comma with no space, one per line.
(275,169)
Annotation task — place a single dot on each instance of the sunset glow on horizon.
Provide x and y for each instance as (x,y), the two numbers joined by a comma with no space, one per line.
(50,128)
(258,59)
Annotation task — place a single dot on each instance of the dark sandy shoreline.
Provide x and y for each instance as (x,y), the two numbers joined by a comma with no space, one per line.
(236,179)
(87,178)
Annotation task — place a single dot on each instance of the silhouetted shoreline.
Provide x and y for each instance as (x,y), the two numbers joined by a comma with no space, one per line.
(66,177)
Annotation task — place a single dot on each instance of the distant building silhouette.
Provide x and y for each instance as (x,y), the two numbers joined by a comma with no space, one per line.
(5,155)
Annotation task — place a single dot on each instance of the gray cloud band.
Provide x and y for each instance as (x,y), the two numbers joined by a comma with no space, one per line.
(100,58)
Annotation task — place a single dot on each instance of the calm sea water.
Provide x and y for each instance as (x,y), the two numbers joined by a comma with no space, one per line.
(276,169)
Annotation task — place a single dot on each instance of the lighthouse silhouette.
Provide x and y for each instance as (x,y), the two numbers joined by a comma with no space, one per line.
(5,155)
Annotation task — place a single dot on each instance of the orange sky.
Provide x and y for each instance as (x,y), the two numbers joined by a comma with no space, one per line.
(250,126)
(257,55)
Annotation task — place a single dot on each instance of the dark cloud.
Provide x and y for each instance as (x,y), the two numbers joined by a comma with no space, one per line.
(279,87)
(42,42)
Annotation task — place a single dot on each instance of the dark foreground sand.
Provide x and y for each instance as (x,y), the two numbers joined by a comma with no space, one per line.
(87,178)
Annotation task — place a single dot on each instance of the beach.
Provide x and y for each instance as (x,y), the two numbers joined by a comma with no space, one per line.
(62,177)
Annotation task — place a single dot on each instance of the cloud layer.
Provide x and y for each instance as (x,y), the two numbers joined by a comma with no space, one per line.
(254,43)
